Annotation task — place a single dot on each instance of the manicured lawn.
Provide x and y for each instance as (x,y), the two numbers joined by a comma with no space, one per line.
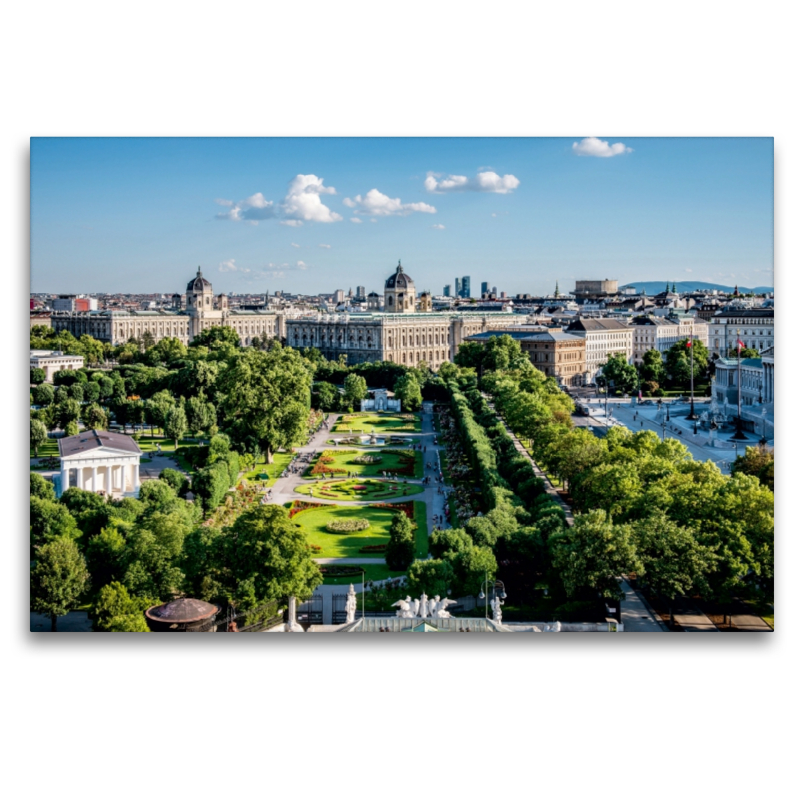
(49,448)
(279,463)
(374,572)
(376,422)
(390,462)
(347,545)
(399,440)
(352,489)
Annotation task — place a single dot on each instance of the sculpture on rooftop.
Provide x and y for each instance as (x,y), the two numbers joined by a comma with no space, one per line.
(423,607)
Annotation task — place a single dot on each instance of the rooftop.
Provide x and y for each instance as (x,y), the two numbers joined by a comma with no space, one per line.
(87,441)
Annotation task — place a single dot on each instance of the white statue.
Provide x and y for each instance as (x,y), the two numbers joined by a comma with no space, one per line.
(441,608)
(497,613)
(402,607)
(423,605)
(292,625)
(351,605)
(414,607)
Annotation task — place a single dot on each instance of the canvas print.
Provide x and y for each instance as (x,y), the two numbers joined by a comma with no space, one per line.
(394,385)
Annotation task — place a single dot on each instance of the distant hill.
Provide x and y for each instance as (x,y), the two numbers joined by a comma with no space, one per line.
(654,287)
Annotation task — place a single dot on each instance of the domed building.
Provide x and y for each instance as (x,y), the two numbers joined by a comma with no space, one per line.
(399,293)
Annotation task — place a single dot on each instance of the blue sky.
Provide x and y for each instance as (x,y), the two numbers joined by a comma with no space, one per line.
(139,215)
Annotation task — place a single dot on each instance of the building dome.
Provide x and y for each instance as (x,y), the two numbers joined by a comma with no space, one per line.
(399,280)
(198,283)
(183,614)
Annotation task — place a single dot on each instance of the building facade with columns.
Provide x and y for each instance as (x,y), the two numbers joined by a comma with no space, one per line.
(99,461)
(52,361)
(755,327)
(661,333)
(404,336)
(203,310)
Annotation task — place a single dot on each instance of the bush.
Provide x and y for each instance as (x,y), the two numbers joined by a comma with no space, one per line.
(347,525)
(366,460)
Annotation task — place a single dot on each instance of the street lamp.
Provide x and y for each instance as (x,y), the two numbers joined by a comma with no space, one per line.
(484,595)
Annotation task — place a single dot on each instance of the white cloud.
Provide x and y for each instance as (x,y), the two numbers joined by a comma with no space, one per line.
(373,220)
(230,266)
(381,205)
(325,246)
(493,214)
(302,201)
(483,182)
(356,220)
(438,226)
(592,146)
(301,265)
(294,244)
(687,270)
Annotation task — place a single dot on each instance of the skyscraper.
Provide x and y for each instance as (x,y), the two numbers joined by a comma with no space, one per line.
(466,292)
(484,288)
(361,292)
(458,288)
(446,291)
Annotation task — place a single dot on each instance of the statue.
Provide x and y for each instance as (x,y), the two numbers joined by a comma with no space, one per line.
(497,613)
(292,625)
(423,605)
(441,608)
(350,605)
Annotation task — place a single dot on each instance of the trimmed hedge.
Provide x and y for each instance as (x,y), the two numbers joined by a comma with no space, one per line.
(347,525)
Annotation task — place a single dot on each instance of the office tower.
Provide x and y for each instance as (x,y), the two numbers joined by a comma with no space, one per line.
(466,292)
(338,296)
(484,288)
(458,288)
(361,292)
(446,291)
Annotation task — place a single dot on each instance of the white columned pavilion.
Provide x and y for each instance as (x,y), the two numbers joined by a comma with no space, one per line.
(100,461)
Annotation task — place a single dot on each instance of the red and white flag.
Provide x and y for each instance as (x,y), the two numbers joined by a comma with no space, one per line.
(689,343)
(739,344)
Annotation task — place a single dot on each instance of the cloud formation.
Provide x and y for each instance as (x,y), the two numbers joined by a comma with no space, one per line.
(355,219)
(301,204)
(438,226)
(294,244)
(325,246)
(487,181)
(230,266)
(592,146)
(377,204)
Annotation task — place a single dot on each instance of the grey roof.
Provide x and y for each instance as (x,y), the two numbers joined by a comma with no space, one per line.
(198,283)
(91,440)
(399,280)
(745,312)
(597,325)
(183,610)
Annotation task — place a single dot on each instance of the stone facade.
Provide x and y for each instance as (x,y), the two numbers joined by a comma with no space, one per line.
(755,326)
(660,333)
(52,361)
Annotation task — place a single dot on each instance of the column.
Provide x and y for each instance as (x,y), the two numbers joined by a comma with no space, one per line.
(94,479)
(123,469)
(64,478)
(135,475)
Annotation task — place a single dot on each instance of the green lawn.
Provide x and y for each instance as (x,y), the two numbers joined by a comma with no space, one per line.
(399,440)
(390,462)
(347,545)
(377,422)
(49,448)
(279,463)
(374,572)
(347,489)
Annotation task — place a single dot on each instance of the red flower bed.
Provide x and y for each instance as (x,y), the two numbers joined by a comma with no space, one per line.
(302,505)
(406,508)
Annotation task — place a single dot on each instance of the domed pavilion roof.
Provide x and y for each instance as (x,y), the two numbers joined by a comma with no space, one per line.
(198,283)
(182,611)
(399,280)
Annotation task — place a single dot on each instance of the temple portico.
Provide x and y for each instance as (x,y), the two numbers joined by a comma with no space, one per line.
(99,461)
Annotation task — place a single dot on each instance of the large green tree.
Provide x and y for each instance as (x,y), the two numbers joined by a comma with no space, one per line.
(50,520)
(38,435)
(116,611)
(400,549)
(175,424)
(618,374)
(652,368)
(679,361)
(408,391)
(355,390)
(265,398)
(58,578)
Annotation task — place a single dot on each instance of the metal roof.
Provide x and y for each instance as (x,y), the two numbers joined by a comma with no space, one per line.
(87,441)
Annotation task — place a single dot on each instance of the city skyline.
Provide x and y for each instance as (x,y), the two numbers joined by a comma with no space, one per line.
(307,215)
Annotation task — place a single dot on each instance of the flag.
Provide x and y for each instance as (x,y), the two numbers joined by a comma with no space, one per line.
(739,344)
(689,343)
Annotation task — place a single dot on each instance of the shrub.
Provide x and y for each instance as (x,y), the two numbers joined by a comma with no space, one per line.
(366,460)
(347,525)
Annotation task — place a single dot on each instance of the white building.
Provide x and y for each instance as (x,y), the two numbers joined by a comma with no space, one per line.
(604,338)
(661,333)
(99,461)
(755,326)
(380,401)
(757,391)
(51,361)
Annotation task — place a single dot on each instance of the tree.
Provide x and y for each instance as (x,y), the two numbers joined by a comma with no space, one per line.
(43,395)
(49,521)
(679,361)
(620,373)
(94,418)
(211,483)
(76,392)
(674,563)
(65,412)
(157,408)
(42,488)
(38,375)
(472,567)
(91,392)
(58,579)
(267,558)
(215,337)
(593,553)
(355,390)
(175,424)
(38,435)
(407,390)
(432,576)
(757,461)
(200,414)
(652,368)
(115,610)
(265,397)
(745,352)
(400,548)
(324,396)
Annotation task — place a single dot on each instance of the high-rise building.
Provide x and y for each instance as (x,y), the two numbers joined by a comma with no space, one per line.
(466,292)
(458,287)
(338,296)
(446,291)
(361,293)
(484,288)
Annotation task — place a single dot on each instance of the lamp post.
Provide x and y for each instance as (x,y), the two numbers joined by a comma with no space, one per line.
(363,593)
(484,595)
(691,415)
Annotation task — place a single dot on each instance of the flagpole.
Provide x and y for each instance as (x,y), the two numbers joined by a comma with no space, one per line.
(739,434)
(692,415)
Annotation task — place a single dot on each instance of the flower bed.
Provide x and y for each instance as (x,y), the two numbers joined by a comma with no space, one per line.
(340,571)
(302,505)
(367,460)
(373,548)
(406,508)
(347,525)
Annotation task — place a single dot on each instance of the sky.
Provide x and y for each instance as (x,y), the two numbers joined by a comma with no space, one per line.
(313,215)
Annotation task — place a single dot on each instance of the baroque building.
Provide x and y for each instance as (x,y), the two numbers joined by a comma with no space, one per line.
(400,333)
(203,310)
